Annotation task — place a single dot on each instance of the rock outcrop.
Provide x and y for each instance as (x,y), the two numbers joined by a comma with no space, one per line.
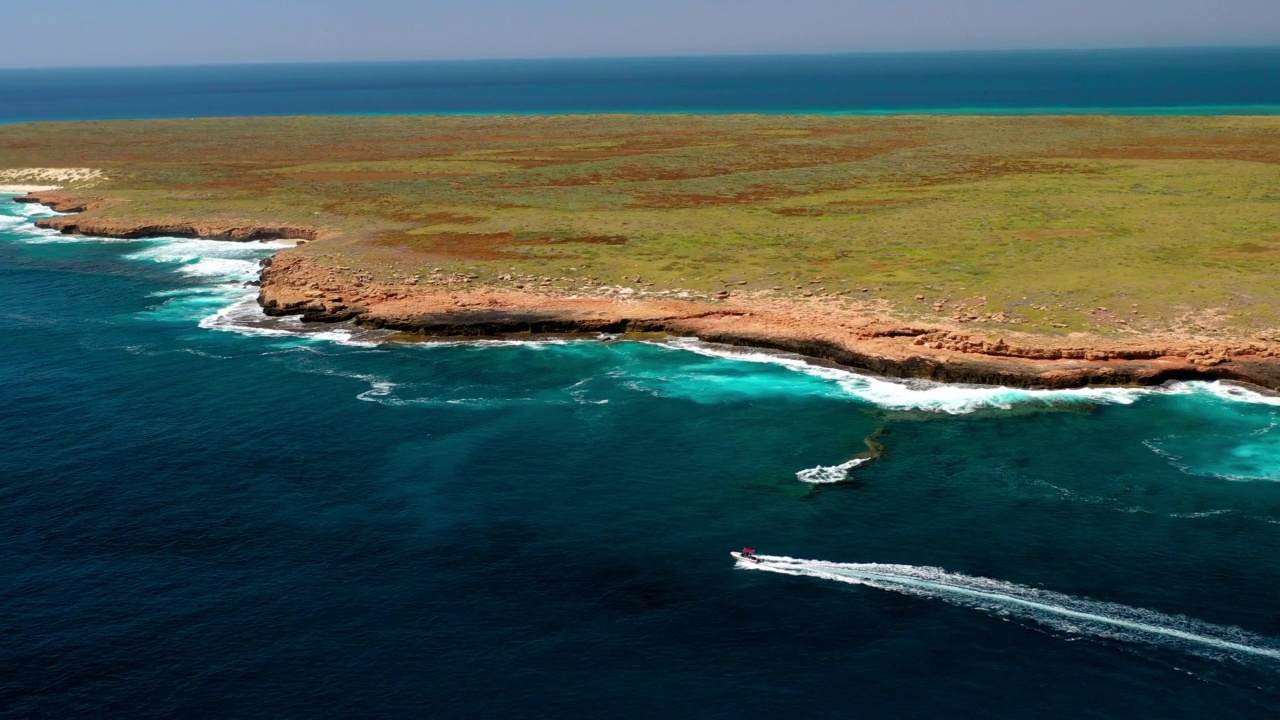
(295,285)
(86,222)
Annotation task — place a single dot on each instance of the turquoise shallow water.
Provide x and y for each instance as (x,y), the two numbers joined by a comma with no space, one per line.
(209,513)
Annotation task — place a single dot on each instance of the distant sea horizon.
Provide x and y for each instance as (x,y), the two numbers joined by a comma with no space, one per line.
(1150,81)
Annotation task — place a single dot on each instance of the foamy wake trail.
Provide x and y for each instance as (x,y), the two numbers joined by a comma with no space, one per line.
(1063,613)
(829,474)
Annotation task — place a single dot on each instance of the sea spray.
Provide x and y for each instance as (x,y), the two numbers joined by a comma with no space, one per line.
(921,395)
(822,475)
(216,259)
(960,398)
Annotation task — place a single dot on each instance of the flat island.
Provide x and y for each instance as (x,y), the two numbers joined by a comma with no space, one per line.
(1033,251)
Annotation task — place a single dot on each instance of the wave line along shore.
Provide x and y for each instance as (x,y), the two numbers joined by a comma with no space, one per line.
(457,305)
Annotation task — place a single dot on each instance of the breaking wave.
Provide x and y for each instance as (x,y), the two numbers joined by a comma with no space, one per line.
(923,395)
(222,300)
(1061,613)
(244,316)
(960,399)
(1223,391)
(214,259)
(832,474)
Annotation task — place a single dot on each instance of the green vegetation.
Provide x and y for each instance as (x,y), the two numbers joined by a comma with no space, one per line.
(1170,223)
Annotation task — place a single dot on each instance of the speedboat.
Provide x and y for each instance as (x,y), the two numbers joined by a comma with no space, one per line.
(747,555)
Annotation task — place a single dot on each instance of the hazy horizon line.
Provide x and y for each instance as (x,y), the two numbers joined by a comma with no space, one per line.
(672,56)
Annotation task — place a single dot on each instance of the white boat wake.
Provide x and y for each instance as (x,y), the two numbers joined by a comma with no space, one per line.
(1063,613)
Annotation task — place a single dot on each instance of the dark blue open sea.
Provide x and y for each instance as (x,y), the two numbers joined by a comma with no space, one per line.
(1151,82)
(206,513)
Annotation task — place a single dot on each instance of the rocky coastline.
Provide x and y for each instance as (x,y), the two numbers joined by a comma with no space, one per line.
(78,223)
(455,306)
(449,305)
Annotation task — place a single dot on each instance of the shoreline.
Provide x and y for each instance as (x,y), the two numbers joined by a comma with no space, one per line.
(292,284)
(73,222)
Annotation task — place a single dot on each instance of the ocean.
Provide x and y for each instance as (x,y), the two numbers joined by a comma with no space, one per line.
(1154,81)
(207,512)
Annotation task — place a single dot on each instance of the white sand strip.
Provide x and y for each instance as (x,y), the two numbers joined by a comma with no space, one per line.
(36,179)
(27,188)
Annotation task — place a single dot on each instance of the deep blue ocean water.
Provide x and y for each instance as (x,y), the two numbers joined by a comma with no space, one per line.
(1153,81)
(208,513)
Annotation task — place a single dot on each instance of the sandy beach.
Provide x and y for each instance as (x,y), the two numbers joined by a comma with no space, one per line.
(29,180)
(27,188)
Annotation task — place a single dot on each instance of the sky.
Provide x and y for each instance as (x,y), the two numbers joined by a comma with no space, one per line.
(167,32)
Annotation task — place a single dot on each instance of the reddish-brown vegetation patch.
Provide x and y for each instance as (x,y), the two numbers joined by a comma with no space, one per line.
(757,193)
(1246,146)
(799,212)
(460,245)
(758,156)
(1248,249)
(879,202)
(448,218)
(1253,248)
(394,209)
(988,168)
(485,246)
(366,176)
(1057,234)
(587,239)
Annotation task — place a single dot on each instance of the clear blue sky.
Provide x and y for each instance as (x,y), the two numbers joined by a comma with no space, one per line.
(159,32)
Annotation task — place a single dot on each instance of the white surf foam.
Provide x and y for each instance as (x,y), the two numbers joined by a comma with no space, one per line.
(220,301)
(220,259)
(822,475)
(1063,613)
(35,210)
(1223,391)
(244,316)
(238,262)
(378,388)
(1204,514)
(221,268)
(950,398)
(237,310)
(19,221)
(1231,459)
(958,399)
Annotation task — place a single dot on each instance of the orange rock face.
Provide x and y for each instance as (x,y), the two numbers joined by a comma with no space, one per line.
(818,327)
(455,306)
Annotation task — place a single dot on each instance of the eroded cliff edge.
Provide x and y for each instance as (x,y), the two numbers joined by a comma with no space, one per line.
(83,222)
(456,305)
(853,335)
